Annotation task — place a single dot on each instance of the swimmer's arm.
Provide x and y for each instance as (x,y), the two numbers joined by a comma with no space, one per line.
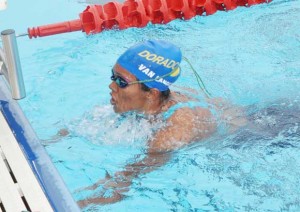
(183,127)
(120,182)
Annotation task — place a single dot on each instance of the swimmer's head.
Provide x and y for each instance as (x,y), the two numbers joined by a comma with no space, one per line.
(154,63)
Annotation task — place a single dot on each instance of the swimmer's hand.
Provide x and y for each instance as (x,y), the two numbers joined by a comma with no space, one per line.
(112,190)
(112,198)
(59,135)
(63,132)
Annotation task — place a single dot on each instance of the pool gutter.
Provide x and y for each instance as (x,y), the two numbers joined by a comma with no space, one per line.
(39,161)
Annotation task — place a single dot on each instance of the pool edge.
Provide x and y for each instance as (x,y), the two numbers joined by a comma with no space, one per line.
(37,157)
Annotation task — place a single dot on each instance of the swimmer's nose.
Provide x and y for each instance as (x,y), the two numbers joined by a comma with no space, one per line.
(113,86)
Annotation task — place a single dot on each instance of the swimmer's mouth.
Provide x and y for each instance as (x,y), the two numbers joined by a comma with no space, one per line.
(112,100)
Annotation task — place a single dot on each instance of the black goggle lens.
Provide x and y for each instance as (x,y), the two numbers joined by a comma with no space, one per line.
(122,83)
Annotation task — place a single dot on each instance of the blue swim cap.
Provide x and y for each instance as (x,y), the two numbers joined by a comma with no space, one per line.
(154,61)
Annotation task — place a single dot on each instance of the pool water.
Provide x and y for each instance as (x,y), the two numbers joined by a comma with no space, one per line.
(249,56)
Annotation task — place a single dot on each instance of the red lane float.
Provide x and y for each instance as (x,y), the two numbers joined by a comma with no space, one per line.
(137,13)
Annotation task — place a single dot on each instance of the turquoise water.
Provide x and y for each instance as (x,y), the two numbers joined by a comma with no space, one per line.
(249,56)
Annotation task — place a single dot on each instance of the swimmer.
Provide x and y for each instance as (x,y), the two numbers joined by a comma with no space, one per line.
(141,79)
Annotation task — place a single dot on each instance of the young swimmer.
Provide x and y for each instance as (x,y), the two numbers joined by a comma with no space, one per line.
(140,82)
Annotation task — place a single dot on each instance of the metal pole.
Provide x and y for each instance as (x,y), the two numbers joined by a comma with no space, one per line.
(13,64)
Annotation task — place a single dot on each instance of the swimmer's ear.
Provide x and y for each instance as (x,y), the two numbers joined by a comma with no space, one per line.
(153,93)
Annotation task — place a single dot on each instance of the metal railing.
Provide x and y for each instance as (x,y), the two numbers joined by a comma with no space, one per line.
(10,66)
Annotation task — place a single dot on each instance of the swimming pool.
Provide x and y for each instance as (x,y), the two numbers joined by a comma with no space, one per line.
(249,56)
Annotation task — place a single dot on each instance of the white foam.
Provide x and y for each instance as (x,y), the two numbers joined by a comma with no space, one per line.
(103,126)
(3,4)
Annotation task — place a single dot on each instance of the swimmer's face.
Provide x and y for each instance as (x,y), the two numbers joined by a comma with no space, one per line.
(129,98)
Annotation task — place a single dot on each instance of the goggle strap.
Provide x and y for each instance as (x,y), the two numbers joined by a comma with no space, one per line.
(199,80)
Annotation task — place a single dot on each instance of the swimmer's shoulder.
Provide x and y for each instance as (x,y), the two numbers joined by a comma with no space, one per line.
(184,105)
(178,101)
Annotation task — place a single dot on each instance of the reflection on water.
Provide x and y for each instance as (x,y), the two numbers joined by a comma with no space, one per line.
(249,56)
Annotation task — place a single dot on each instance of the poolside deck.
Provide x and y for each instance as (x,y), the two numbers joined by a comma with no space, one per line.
(19,188)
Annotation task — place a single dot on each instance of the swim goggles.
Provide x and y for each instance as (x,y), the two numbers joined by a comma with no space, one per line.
(120,81)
